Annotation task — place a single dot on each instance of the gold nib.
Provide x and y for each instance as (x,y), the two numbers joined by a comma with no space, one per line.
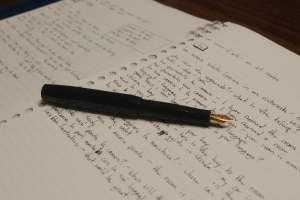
(219,119)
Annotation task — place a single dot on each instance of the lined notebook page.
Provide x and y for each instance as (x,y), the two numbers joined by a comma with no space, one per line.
(70,40)
(255,157)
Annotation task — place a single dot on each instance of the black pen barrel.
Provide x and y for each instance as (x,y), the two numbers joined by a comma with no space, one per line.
(93,100)
(123,105)
(174,113)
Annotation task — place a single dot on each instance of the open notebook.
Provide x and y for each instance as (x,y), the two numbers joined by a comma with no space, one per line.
(49,152)
(70,40)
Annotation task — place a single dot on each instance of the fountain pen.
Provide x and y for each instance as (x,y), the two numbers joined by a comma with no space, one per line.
(128,106)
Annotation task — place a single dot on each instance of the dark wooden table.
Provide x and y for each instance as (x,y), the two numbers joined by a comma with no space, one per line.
(277,20)
(4,3)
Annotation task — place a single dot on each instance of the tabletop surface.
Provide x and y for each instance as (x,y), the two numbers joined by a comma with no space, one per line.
(275,19)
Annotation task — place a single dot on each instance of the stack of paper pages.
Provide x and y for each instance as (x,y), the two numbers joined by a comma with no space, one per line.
(51,152)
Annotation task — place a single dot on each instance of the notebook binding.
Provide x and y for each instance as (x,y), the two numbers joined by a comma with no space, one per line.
(207,28)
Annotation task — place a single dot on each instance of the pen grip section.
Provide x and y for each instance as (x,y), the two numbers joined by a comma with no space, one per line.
(104,102)
(174,113)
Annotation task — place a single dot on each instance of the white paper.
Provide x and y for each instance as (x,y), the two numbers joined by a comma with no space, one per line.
(68,41)
(255,157)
